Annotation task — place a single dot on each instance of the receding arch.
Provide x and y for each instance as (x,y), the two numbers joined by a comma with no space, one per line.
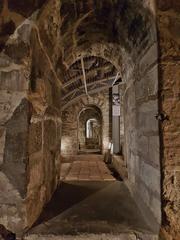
(86,75)
(129,41)
(90,142)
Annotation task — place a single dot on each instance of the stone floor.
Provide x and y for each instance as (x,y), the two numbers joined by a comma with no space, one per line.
(90,151)
(90,204)
(93,169)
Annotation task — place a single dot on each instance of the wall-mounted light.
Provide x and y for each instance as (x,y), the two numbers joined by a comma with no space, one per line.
(162,116)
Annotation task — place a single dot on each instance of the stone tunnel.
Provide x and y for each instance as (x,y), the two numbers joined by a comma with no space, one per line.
(90,119)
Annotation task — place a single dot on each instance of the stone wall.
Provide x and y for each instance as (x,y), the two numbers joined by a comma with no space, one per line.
(70,122)
(44,161)
(12,14)
(141,140)
(129,42)
(30,128)
(169,76)
(31,63)
(14,121)
(121,90)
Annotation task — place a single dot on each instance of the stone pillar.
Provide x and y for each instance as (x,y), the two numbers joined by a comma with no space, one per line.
(121,92)
(116,119)
(30,129)
(14,128)
(168,22)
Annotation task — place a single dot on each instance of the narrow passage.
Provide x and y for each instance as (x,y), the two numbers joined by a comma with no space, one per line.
(90,204)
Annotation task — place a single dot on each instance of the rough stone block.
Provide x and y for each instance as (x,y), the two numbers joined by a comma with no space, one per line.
(154,151)
(177,180)
(147,123)
(148,106)
(15,157)
(13,81)
(152,80)
(144,191)
(35,137)
(9,101)
(150,176)
(155,206)
(142,146)
(49,134)
(149,58)
(2,143)
(11,209)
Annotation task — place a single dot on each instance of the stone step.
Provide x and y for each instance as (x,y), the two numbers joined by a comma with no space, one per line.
(88,157)
(121,236)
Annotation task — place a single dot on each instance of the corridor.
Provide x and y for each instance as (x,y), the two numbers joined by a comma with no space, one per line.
(90,204)
(89,168)
(89,119)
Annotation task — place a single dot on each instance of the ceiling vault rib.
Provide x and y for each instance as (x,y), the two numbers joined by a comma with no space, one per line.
(73,94)
(73,79)
(66,103)
(84,75)
(117,75)
(90,84)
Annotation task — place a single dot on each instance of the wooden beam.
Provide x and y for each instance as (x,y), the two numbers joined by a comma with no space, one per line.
(89,84)
(84,75)
(74,79)
(116,78)
(66,104)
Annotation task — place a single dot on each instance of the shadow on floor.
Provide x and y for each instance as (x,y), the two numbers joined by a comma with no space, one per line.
(90,207)
(67,195)
(114,172)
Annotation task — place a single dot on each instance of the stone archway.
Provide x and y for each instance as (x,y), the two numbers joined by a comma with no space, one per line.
(33,62)
(90,130)
(128,43)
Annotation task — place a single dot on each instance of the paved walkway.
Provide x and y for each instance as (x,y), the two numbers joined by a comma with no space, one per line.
(90,205)
(89,169)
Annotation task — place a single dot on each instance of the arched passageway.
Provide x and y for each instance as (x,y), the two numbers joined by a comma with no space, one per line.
(90,130)
(66,56)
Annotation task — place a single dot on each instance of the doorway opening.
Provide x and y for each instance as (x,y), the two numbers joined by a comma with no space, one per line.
(90,130)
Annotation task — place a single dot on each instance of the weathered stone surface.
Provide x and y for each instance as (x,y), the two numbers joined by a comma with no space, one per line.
(15,157)
(169,40)
(168,4)
(70,122)
(141,130)
(50,134)
(13,81)
(12,14)
(11,208)
(44,162)
(32,170)
(35,137)
(32,64)
(25,9)
(14,119)
(2,143)
(97,20)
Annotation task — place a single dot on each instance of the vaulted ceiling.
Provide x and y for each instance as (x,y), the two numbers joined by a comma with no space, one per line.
(100,31)
(87,75)
(85,41)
